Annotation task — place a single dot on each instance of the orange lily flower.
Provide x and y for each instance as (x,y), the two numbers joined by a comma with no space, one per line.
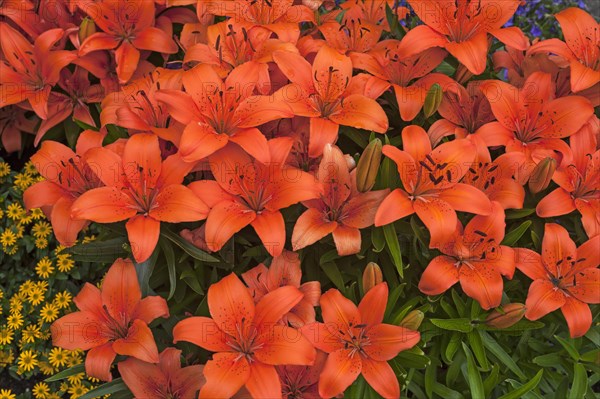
(475,258)
(581,50)
(167,379)
(142,188)
(352,35)
(431,181)
(533,122)
(67,176)
(28,71)
(127,27)
(410,77)
(14,122)
(135,107)
(372,11)
(111,321)
(248,339)
(320,93)
(341,210)
(464,109)
(230,44)
(358,342)
(281,17)
(579,183)
(302,382)
(217,112)
(285,270)
(80,93)
(564,277)
(461,27)
(249,192)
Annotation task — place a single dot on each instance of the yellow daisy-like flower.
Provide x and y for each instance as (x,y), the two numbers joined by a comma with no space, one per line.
(14,321)
(4,169)
(11,250)
(59,248)
(44,267)
(26,287)
(57,357)
(49,313)
(23,180)
(27,360)
(16,305)
(6,336)
(36,296)
(30,168)
(76,379)
(42,284)
(41,243)
(45,368)
(1,213)
(30,333)
(64,262)
(36,213)
(7,393)
(15,211)
(77,390)
(88,239)
(25,220)
(41,390)
(41,229)
(8,238)
(75,358)
(63,299)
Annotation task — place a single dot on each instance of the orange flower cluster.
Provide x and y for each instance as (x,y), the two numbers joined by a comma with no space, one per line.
(246,116)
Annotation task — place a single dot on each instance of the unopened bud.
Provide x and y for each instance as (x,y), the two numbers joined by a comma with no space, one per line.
(371,276)
(432,100)
(542,175)
(86,29)
(413,320)
(507,316)
(368,165)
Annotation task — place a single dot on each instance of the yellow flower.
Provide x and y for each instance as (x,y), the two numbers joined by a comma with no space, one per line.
(75,358)
(27,360)
(49,312)
(46,368)
(6,393)
(23,180)
(30,168)
(88,239)
(4,169)
(77,390)
(42,285)
(41,390)
(11,251)
(26,287)
(76,379)
(64,262)
(41,243)
(41,229)
(36,213)
(44,267)
(57,357)
(1,213)
(14,321)
(16,305)
(8,238)
(30,333)
(15,211)
(59,248)
(6,336)
(63,299)
(36,296)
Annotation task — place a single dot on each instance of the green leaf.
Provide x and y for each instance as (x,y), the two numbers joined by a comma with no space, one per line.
(391,239)
(462,325)
(522,325)
(115,385)
(519,213)
(377,239)
(80,368)
(476,344)
(84,125)
(580,382)
(473,376)
(568,347)
(144,271)
(501,354)
(334,274)
(523,389)
(452,347)
(191,250)
(167,250)
(446,392)
(105,251)
(513,236)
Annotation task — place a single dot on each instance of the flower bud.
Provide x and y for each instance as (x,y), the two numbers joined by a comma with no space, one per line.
(432,100)
(86,29)
(413,320)
(507,316)
(542,175)
(371,276)
(368,165)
